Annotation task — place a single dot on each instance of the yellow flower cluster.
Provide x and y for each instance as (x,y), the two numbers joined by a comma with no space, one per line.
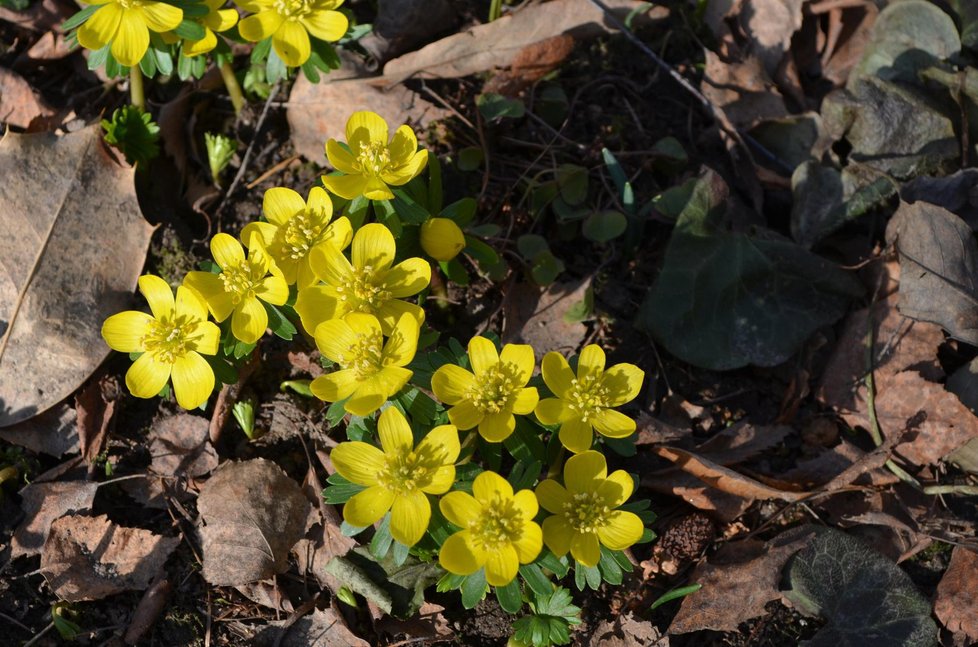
(125,26)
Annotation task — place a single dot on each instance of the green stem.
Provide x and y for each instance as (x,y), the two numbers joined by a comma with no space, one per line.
(234,88)
(136,92)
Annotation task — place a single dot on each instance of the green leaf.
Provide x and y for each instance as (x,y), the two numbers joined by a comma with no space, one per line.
(968,17)
(409,210)
(572,181)
(546,268)
(583,310)
(461,211)
(674,594)
(534,577)
(72,22)
(223,370)
(510,597)
(867,599)
(299,386)
(190,30)
(134,133)
(610,570)
(470,158)
(726,299)
(474,589)
(340,490)
(422,409)
(397,590)
(495,106)
(278,322)
(382,540)
(604,226)
(615,170)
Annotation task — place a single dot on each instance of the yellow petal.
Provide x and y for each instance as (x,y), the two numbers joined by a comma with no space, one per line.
(408,277)
(375,189)
(124,331)
(340,158)
(190,304)
(482,355)
(616,489)
(330,265)
(450,383)
(339,233)
(442,239)
(394,432)
(249,321)
(526,502)
(519,357)
(461,554)
(393,379)
(526,400)
(291,43)
(260,26)
(622,530)
(368,507)
(147,377)
(373,246)
(585,549)
(576,435)
(403,342)
(460,508)
(158,295)
(439,447)
(101,27)
(464,415)
(392,311)
(160,16)
(221,20)
(364,127)
(193,380)
(612,424)
(441,480)
(227,251)
(131,40)
(557,374)
(208,338)
(303,275)
(623,382)
(316,304)
(502,565)
(335,386)
(265,230)
(319,204)
(549,411)
(591,362)
(358,462)
(335,338)
(345,186)
(497,427)
(193,48)
(552,496)
(410,515)
(585,472)
(557,534)
(364,324)
(210,288)
(529,544)
(406,172)
(403,145)
(280,204)
(488,486)
(368,397)
(273,289)
(326,25)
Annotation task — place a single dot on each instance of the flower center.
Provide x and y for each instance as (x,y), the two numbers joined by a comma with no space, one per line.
(587,397)
(292,9)
(373,157)
(495,389)
(405,472)
(241,280)
(365,356)
(587,512)
(304,231)
(361,292)
(499,524)
(170,339)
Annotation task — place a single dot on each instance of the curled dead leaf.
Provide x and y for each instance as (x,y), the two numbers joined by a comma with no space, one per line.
(956,604)
(42,504)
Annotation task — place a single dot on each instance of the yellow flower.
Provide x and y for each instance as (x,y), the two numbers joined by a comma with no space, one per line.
(399,477)
(442,239)
(584,509)
(240,285)
(498,531)
(290,23)
(583,403)
(491,396)
(370,163)
(170,340)
(126,24)
(370,284)
(370,371)
(216,19)
(295,227)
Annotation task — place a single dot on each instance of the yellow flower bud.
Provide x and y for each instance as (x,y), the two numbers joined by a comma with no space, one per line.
(442,239)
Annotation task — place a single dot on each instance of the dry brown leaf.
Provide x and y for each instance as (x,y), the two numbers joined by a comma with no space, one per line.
(40,16)
(89,558)
(742,89)
(741,441)
(535,316)
(267,594)
(319,629)
(738,581)
(42,504)
(428,623)
(73,244)
(856,29)
(956,603)
(148,611)
(496,44)
(770,24)
(723,478)
(627,631)
(94,409)
(53,432)
(531,64)
(19,104)
(318,111)
(254,515)
(687,487)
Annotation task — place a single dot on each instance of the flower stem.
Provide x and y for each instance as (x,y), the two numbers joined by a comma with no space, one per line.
(234,89)
(136,87)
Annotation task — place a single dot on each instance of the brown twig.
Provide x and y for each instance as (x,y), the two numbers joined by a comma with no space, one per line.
(281,166)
